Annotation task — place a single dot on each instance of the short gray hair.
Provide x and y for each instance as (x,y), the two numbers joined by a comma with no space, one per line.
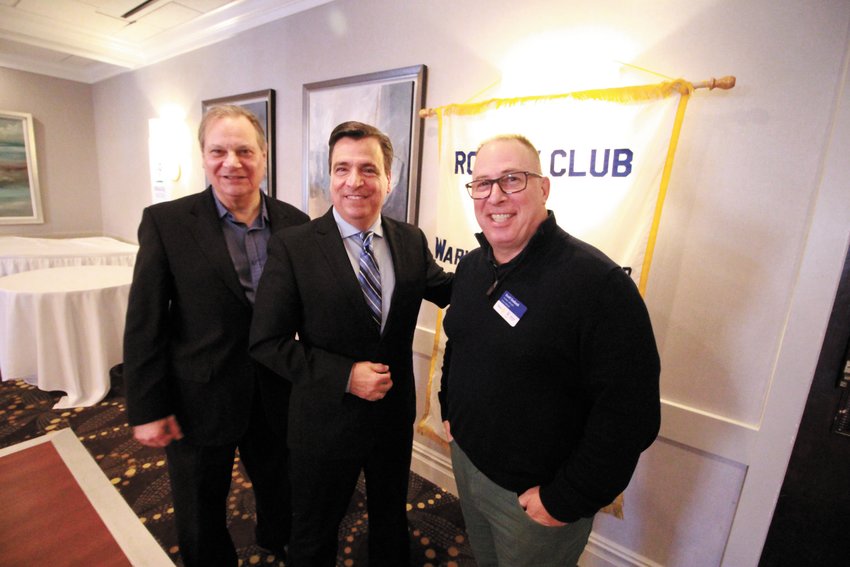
(517,138)
(232,111)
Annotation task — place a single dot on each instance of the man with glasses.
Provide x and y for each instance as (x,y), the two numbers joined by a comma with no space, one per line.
(550,378)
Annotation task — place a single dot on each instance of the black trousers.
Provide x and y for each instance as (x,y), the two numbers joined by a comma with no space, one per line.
(322,488)
(200,483)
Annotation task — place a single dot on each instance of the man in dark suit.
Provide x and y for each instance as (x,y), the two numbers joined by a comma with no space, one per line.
(353,395)
(191,386)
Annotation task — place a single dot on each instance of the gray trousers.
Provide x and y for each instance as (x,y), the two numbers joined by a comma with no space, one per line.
(501,534)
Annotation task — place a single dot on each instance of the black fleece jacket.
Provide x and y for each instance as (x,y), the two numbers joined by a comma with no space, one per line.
(569,397)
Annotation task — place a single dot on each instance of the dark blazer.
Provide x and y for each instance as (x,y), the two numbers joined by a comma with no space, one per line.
(308,287)
(186,337)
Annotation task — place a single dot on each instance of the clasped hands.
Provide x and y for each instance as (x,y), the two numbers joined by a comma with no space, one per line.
(369,380)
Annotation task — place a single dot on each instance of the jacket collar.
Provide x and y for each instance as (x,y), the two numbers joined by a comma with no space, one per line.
(546,228)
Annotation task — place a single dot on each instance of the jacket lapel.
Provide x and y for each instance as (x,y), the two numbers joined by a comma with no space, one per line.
(399,252)
(277,215)
(206,228)
(330,243)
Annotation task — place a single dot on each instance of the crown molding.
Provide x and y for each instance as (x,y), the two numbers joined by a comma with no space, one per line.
(117,56)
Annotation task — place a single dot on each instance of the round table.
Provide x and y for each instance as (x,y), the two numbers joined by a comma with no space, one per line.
(61,329)
(21,253)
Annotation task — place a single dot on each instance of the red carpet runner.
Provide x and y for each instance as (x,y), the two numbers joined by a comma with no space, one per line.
(46,518)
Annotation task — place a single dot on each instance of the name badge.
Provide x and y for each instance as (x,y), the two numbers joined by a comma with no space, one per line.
(510,308)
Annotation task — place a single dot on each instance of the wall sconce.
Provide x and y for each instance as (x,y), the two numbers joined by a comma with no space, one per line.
(168,147)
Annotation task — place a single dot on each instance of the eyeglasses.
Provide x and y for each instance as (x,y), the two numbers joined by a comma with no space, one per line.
(509,183)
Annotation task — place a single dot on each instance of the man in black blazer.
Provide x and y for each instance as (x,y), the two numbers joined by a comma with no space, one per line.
(353,395)
(191,385)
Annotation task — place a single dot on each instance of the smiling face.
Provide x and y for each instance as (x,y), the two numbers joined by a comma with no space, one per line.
(359,180)
(509,221)
(233,160)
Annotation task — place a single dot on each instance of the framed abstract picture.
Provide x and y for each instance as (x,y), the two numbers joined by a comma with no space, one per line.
(389,100)
(261,103)
(20,196)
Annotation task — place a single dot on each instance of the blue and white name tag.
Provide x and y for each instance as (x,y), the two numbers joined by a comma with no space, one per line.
(510,308)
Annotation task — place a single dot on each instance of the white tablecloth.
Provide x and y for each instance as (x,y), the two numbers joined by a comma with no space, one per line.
(62,329)
(20,254)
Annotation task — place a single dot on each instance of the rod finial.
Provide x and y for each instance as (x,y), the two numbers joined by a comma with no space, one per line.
(724,83)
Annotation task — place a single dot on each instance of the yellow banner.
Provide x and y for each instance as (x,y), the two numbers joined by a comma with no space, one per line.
(605,152)
(608,154)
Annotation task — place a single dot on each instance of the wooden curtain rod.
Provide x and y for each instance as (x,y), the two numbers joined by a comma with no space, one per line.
(724,83)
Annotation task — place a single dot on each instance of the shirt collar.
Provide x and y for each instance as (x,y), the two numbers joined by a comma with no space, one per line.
(223,212)
(346,230)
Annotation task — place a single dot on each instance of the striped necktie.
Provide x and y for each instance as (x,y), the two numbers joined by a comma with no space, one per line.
(370,275)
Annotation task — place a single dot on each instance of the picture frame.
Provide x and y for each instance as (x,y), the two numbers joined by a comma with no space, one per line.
(20,193)
(261,103)
(389,100)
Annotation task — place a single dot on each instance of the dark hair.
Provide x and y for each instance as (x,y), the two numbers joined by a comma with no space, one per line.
(231,111)
(358,131)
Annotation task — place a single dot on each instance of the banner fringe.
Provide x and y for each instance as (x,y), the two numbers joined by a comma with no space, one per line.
(423,427)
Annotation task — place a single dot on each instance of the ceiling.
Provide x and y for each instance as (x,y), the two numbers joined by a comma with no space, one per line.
(91,40)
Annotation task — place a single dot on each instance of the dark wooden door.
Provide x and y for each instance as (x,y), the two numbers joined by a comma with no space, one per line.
(811,523)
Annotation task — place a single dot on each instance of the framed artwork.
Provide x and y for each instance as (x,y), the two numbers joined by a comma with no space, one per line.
(20,196)
(260,103)
(388,100)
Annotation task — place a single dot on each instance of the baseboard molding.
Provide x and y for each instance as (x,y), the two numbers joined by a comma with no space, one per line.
(602,552)
(433,466)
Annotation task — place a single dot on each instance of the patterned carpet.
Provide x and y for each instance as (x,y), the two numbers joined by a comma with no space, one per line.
(139,474)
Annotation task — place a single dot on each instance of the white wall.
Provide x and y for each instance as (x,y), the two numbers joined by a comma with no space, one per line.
(63,120)
(751,241)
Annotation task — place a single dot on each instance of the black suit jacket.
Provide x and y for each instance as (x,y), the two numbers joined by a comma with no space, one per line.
(186,337)
(309,288)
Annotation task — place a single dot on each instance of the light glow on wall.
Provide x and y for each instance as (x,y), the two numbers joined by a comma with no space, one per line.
(169,147)
(567,61)
(572,60)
